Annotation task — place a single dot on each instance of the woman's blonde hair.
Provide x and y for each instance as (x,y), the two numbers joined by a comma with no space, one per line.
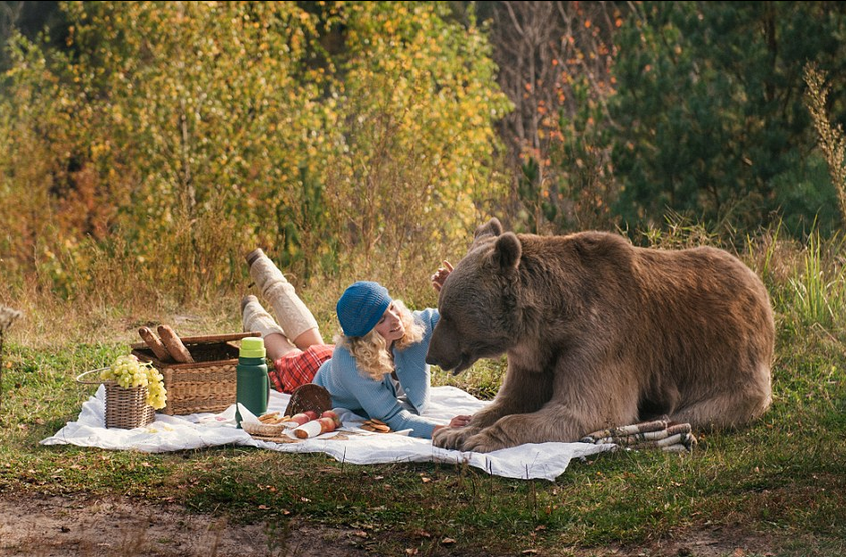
(370,351)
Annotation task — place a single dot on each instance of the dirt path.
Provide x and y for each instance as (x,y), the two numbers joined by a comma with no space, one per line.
(70,527)
(122,527)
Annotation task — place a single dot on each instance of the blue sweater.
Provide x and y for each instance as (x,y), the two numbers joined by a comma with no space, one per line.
(353,390)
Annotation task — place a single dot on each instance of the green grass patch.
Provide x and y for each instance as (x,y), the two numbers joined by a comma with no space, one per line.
(784,476)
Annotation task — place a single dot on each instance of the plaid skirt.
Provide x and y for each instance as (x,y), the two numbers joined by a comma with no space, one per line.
(298,367)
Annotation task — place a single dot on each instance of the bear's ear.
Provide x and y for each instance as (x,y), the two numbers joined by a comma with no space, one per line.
(507,251)
(491,228)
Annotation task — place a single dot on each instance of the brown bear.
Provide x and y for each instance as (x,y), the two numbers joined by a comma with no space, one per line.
(599,333)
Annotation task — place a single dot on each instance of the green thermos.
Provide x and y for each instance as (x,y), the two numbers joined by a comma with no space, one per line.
(252,386)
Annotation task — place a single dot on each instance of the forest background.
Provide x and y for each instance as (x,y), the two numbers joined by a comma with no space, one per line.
(146,146)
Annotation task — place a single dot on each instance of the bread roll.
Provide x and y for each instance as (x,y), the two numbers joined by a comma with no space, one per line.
(174,346)
(155,344)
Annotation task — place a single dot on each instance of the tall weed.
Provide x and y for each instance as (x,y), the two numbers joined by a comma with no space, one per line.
(831,140)
(679,232)
(818,285)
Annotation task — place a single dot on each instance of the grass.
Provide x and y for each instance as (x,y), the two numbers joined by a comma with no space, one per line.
(782,480)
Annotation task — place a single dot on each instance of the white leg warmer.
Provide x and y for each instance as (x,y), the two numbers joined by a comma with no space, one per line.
(290,311)
(255,318)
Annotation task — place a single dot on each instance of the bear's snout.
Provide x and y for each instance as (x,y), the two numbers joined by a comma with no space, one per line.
(454,363)
(450,349)
(440,358)
(434,354)
(434,359)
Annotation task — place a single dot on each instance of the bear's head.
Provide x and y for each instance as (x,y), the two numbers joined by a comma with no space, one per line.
(479,302)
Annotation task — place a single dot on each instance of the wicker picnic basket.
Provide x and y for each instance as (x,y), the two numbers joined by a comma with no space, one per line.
(125,408)
(208,384)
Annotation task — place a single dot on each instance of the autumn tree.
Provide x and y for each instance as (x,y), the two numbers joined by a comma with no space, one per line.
(191,130)
(420,101)
(556,61)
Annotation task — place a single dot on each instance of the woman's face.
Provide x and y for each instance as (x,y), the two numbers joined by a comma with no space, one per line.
(390,326)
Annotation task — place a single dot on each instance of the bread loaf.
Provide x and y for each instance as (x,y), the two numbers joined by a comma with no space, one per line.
(155,344)
(174,346)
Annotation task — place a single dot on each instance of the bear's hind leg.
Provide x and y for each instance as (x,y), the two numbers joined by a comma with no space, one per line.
(725,410)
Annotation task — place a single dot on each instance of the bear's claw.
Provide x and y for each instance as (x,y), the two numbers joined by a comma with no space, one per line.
(484,442)
(452,438)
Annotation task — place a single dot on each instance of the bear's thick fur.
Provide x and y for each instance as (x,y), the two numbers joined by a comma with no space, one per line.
(600,333)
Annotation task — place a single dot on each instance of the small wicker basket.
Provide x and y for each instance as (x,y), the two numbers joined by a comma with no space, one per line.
(125,408)
(269,430)
(309,397)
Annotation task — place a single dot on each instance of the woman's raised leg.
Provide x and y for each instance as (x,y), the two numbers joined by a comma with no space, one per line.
(292,314)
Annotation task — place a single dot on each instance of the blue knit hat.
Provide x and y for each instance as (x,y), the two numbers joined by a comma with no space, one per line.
(361,306)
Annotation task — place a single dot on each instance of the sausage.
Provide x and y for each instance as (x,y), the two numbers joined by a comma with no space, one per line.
(155,344)
(174,346)
(314,428)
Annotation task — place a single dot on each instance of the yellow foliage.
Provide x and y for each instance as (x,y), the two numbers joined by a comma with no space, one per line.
(199,129)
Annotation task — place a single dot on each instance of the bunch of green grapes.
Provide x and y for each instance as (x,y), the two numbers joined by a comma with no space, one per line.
(128,372)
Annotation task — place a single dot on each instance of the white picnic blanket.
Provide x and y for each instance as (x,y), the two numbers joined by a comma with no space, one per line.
(173,433)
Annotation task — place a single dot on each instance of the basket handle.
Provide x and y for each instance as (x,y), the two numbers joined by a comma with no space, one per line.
(81,375)
(206,339)
(220,338)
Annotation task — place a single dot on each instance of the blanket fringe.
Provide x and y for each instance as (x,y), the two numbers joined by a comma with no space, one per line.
(656,434)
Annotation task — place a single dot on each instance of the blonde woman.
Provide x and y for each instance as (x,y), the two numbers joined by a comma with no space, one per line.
(376,368)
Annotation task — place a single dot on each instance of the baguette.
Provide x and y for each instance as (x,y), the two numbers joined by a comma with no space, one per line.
(174,346)
(155,344)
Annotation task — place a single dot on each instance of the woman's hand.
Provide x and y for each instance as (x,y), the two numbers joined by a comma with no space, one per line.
(440,275)
(460,421)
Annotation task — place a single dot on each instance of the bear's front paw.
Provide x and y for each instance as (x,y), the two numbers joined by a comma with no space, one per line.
(489,439)
(452,437)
